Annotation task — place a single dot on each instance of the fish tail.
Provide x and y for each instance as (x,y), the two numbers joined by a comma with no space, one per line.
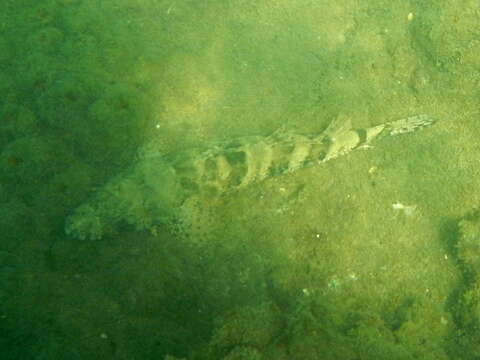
(409,124)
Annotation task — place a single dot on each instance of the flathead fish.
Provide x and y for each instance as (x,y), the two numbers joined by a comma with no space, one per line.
(153,189)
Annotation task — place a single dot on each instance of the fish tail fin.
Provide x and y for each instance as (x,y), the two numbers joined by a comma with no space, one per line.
(409,124)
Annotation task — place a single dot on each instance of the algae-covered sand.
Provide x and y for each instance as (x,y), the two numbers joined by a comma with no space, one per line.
(368,256)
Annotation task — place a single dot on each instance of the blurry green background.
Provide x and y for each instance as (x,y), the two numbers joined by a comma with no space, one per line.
(312,265)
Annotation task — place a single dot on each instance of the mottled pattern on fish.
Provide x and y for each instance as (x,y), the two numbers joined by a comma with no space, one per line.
(231,166)
(150,191)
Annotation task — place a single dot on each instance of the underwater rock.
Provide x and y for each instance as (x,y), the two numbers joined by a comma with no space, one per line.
(152,191)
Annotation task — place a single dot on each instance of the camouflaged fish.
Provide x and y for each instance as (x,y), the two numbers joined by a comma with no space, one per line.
(152,190)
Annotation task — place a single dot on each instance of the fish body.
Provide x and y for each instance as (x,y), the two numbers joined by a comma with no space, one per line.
(157,185)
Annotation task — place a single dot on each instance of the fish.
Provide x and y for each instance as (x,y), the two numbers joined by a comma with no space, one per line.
(152,190)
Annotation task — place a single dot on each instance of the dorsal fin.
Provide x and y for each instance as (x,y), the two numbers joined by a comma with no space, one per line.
(341,124)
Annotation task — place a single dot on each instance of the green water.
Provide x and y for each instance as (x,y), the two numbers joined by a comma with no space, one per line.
(369,256)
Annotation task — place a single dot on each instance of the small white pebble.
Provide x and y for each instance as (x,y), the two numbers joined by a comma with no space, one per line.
(407,209)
